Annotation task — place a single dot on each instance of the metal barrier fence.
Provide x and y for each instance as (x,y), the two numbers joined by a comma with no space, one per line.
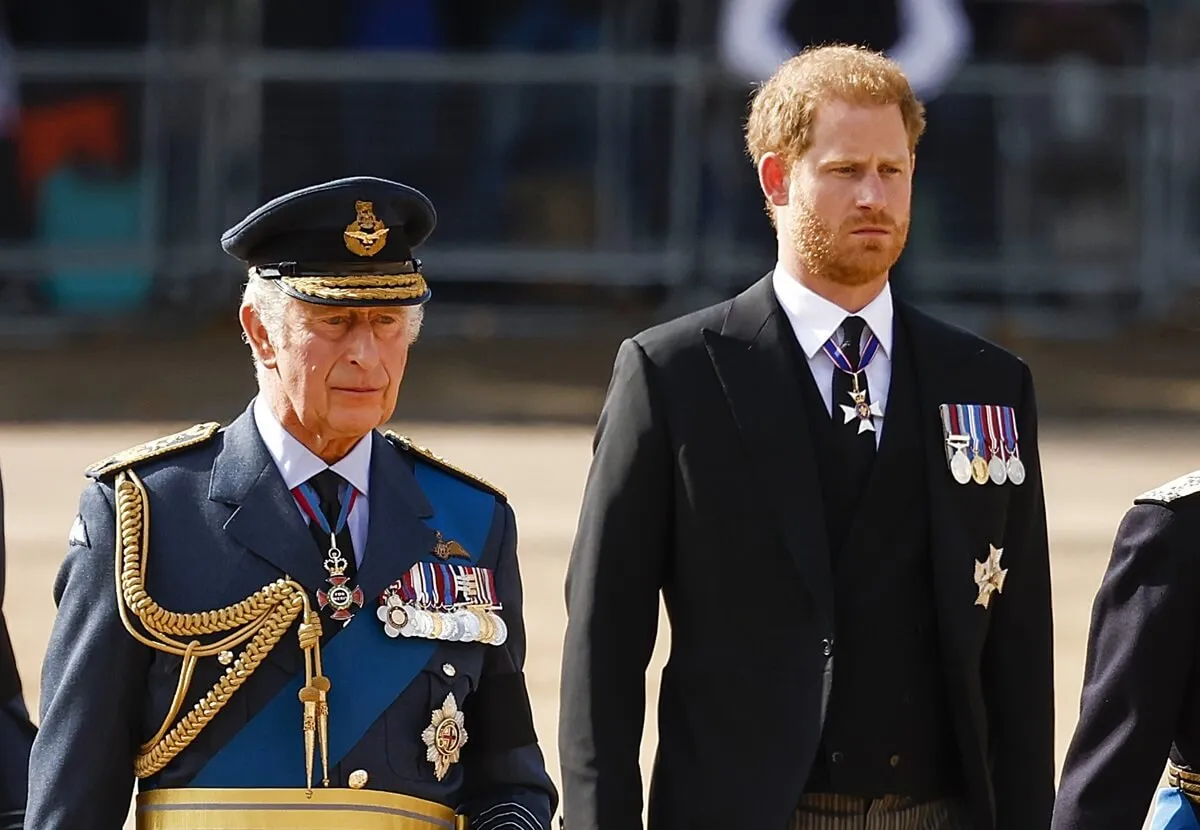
(1041,193)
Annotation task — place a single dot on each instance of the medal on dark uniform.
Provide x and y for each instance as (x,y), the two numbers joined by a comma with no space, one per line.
(1016,470)
(969,415)
(440,601)
(340,596)
(997,469)
(445,736)
(956,444)
(960,465)
(860,408)
(989,576)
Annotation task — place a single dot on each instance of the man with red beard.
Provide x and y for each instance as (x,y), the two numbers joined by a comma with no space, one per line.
(839,500)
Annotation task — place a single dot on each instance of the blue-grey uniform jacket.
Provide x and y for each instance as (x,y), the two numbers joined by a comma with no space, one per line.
(221,526)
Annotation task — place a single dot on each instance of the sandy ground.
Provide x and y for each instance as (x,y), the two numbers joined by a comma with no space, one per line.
(1091,475)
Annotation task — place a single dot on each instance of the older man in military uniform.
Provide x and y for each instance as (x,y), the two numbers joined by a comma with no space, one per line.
(296,621)
(1140,707)
(16,732)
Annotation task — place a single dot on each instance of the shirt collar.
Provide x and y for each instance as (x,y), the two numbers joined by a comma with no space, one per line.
(297,463)
(815,319)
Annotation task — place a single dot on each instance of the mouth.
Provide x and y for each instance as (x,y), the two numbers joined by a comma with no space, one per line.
(870,230)
(357,390)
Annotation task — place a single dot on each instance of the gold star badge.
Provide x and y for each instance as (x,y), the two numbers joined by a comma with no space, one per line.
(444,737)
(989,576)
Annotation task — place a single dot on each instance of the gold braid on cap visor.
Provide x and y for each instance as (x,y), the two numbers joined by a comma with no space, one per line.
(359,287)
(366,287)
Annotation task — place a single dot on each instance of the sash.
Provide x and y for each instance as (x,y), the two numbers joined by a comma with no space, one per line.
(1172,811)
(269,750)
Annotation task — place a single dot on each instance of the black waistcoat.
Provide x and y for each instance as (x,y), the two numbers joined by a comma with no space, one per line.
(887,729)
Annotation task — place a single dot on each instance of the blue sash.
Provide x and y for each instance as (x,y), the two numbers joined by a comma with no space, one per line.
(269,750)
(1172,811)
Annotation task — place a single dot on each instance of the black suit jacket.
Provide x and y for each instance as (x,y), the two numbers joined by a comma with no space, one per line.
(703,488)
(1140,689)
(16,732)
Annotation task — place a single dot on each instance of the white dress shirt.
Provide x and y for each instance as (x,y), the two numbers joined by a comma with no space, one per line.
(815,319)
(297,464)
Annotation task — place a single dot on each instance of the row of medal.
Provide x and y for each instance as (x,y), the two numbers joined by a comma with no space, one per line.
(982,443)
(436,601)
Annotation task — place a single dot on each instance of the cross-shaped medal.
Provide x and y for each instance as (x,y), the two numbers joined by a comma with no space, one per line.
(861,409)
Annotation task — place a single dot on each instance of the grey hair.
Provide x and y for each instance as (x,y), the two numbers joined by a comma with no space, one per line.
(269,302)
(271,305)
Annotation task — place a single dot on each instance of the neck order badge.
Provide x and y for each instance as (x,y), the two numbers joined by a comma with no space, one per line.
(861,408)
(340,596)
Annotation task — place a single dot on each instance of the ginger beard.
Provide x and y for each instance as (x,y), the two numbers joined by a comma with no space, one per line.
(839,256)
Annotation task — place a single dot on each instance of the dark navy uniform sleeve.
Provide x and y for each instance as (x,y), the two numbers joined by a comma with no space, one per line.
(1142,637)
(1018,668)
(93,682)
(507,785)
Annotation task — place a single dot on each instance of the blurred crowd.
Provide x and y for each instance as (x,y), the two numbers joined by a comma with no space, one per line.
(556,166)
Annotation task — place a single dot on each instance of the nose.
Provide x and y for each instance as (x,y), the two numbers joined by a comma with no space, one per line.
(364,347)
(871,193)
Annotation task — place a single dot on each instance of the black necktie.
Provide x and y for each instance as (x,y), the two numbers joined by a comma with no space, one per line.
(855,446)
(327,485)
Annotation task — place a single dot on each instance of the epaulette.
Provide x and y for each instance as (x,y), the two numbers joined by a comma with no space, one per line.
(403,442)
(1181,487)
(159,447)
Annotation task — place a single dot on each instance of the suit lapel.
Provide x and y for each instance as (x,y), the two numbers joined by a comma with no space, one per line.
(944,375)
(752,356)
(396,535)
(265,518)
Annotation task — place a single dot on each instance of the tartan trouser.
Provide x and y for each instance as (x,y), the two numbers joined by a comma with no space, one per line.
(819,811)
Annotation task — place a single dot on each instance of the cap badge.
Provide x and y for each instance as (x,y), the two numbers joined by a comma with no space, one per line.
(366,235)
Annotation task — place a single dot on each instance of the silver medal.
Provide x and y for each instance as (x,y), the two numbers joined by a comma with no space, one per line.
(451,627)
(1016,470)
(411,627)
(960,465)
(471,627)
(424,623)
(465,620)
(997,470)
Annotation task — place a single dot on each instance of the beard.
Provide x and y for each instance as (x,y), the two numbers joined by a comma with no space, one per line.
(838,256)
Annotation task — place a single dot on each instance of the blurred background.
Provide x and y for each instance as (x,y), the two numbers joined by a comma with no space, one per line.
(587,163)
(586,160)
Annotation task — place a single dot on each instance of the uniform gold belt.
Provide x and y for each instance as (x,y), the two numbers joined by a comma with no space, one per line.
(1186,781)
(290,809)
